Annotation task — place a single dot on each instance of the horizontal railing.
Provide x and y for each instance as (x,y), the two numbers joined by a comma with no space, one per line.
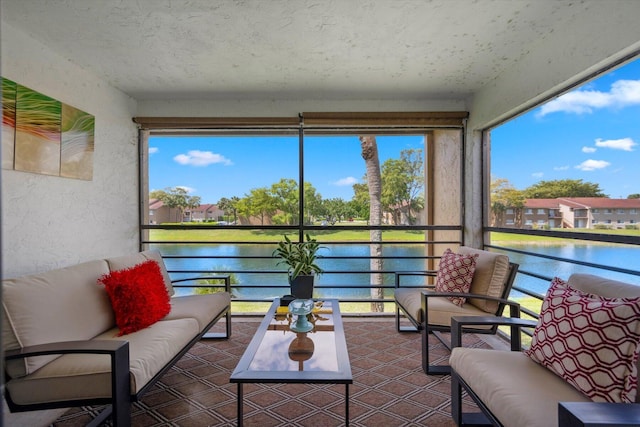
(258,277)
(538,265)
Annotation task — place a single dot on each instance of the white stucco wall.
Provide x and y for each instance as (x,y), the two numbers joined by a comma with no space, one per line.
(50,222)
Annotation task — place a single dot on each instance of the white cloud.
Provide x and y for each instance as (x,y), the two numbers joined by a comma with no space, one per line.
(153,150)
(537,174)
(346,181)
(623,93)
(187,189)
(591,165)
(588,149)
(561,168)
(625,144)
(201,158)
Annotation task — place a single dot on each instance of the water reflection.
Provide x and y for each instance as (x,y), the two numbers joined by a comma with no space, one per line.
(301,349)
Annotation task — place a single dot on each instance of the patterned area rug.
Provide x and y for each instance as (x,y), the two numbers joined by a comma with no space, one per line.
(389,387)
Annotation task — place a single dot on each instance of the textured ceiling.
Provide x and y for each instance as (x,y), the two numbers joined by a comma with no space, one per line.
(292,49)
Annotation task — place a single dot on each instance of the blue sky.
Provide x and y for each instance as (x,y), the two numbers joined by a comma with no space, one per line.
(590,133)
(231,166)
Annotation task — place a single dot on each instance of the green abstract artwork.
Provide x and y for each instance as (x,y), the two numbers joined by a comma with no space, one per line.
(45,136)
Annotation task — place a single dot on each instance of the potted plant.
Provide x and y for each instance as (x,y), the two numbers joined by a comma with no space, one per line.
(300,257)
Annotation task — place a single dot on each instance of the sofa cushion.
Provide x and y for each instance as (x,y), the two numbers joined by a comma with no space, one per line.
(518,391)
(590,341)
(492,270)
(455,273)
(204,308)
(78,376)
(59,305)
(138,296)
(127,261)
(597,285)
(440,309)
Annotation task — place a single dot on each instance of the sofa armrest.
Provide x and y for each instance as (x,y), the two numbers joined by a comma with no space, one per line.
(514,307)
(110,347)
(582,414)
(117,350)
(227,282)
(515,323)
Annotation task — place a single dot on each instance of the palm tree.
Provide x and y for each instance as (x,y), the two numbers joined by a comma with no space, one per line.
(370,155)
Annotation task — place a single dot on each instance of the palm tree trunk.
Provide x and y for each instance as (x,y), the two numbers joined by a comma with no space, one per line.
(370,156)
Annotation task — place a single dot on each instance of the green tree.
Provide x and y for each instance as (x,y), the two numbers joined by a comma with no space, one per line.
(634,196)
(360,201)
(504,195)
(335,209)
(563,188)
(262,203)
(402,185)
(229,206)
(285,193)
(312,203)
(176,198)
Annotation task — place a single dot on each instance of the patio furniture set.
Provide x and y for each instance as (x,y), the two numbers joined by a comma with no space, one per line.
(580,369)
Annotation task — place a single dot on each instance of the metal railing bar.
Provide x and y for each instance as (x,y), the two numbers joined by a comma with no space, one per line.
(253,243)
(527,292)
(567,260)
(320,257)
(536,275)
(597,237)
(298,227)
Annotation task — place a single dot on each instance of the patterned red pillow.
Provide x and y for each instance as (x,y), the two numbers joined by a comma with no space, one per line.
(138,296)
(590,341)
(455,274)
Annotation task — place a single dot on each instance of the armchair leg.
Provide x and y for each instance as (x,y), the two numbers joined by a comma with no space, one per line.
(456,400)
(426,366)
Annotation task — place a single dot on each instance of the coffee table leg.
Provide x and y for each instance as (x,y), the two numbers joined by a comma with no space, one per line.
(346,408)
(240,397)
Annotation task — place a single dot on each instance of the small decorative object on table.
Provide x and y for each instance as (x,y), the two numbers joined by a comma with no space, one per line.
(301,308)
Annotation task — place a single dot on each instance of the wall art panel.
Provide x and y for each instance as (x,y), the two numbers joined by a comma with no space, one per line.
(42,135)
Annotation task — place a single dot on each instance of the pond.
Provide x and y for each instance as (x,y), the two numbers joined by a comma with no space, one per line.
(253,266)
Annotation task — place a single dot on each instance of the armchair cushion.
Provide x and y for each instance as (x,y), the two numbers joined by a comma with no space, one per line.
(440,309)
(590,341)
(490,277)
(455,274)
(138,296)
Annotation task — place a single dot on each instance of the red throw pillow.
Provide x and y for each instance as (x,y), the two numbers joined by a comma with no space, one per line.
(590,341)
(138,296)
(455,274)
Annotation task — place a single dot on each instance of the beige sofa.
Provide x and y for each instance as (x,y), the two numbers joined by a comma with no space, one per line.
(513,390)
(61,344)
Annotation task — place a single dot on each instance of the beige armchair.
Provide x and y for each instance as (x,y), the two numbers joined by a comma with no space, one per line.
(430,312)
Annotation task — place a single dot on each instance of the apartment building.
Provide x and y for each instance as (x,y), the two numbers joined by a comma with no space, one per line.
(573,212)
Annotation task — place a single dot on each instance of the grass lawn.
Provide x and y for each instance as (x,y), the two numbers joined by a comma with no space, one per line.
(334,235)
(231,235)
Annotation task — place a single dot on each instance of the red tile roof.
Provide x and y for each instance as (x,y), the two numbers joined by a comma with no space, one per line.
(542,203)
(599,202)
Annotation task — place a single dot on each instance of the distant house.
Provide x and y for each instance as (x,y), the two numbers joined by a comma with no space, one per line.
(542,213)
(573,212)
(206,212)
(587,212)
(160,213)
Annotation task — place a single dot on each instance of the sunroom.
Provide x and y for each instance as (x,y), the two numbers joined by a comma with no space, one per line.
(302,77)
